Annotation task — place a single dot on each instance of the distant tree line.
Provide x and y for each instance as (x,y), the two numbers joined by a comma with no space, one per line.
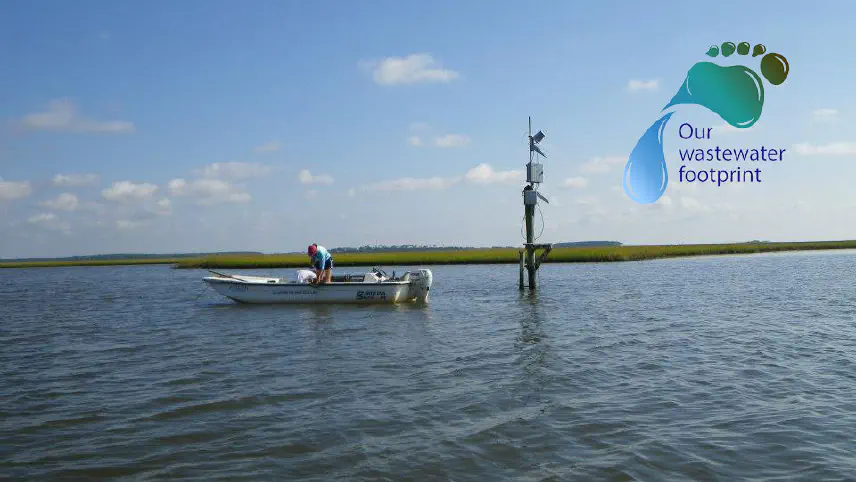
(107,257)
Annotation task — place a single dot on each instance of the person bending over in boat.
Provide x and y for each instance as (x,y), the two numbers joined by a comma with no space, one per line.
(306,276)
(322,263)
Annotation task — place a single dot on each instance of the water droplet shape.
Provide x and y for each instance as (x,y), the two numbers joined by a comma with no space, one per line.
(728,48)
(743,48)
(646,174)
(759,50)
(735,93)
(713,51)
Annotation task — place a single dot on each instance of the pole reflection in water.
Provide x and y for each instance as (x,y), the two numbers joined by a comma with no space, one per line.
(533,345)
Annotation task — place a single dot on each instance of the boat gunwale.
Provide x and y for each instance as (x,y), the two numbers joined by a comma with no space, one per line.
(213,279)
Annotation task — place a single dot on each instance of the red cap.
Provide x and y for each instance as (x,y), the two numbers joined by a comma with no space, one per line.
(312,250)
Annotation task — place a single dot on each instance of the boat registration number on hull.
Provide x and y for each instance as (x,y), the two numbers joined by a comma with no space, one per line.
(371,295)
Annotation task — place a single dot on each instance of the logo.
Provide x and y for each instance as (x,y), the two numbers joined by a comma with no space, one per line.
(371,295)
(736,94)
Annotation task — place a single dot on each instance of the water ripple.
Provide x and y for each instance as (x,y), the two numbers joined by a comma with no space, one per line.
(719,368)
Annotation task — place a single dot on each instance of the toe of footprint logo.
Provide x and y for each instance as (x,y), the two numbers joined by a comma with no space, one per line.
(735,93)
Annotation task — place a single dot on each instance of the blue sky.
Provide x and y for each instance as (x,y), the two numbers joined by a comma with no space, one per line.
(189,126)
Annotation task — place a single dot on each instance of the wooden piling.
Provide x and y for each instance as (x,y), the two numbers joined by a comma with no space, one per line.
(530,247)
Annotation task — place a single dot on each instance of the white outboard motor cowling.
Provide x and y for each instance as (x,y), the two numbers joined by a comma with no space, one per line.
(420,283)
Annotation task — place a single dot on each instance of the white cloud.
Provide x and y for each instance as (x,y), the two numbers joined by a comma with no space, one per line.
(75,180)
(311,194)
(832,149)
(636,85)
(49,221)
(271,146)
(61,115)
(306,177)
(599,165)
(452,140)
(484,174)
(233,170)
(163,207)
(176,186)
(208,191)
(446,141)
(128,191)
(10,190)
(41,218)
(679,187)
(352,192)
(64,202)
(415,68)
(410,184)
(575,182)
(421,135)
(824,115)
(481,174)
(214,186)
(665,203)
(587,201)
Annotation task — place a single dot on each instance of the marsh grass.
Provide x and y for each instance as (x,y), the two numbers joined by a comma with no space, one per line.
(508,255)
(462,256)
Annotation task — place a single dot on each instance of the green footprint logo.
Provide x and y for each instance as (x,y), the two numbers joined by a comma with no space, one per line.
(735,93)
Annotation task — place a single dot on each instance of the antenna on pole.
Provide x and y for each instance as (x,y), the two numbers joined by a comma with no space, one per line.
(529,135)
(533,143)
(534,177)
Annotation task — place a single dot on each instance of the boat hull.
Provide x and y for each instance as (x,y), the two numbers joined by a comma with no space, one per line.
(257,290)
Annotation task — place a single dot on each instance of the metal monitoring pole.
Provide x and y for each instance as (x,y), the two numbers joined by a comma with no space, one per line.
(534,176)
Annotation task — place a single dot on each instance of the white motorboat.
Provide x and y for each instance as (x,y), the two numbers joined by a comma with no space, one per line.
(372,287)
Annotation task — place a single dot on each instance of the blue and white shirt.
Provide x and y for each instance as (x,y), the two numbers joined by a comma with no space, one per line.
(320,258)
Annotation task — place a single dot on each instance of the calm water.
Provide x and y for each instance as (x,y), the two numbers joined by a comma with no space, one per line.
(726,368)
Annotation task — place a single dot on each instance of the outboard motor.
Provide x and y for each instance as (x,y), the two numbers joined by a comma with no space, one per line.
(420,283)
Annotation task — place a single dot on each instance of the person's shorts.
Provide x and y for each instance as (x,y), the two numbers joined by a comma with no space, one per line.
(327,264)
